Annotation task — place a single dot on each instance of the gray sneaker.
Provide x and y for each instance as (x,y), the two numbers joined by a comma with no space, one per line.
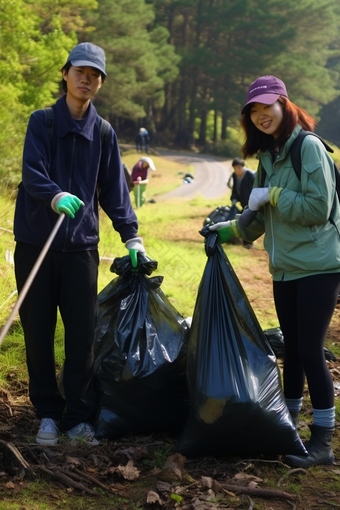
(48,432)
(82,431)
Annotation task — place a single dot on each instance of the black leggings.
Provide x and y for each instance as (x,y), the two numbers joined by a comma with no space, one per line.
(305,308)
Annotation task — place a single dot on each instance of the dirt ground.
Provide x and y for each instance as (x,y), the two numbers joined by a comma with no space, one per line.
(139,472)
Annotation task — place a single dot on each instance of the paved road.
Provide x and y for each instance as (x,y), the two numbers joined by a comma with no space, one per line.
(211,175)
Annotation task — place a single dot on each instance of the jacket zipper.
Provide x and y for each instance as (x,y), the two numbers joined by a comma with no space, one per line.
(272,232)
(69,189)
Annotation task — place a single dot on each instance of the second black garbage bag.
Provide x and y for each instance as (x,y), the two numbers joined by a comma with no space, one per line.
(237,403)
(140,355)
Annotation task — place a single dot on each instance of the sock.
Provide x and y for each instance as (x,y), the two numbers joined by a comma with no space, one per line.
(294,404)
(324,417)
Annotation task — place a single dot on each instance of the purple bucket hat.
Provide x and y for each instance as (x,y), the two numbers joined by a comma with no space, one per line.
(266,90)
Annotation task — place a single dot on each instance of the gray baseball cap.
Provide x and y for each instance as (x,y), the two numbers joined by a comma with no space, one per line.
(88,54)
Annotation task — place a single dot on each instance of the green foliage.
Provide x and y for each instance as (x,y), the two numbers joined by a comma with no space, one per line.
(225,45)
(139,61)
(177,498)
(29,65)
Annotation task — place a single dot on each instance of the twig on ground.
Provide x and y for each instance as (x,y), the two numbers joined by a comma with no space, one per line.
(258,493)
(251,503)
(92,479)
(291,472)
(66,480)
(262,460)
(324,502)
(14,461)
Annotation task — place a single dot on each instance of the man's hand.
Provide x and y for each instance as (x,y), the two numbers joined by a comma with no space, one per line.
(257,198)
(69,204)
(134,246)
(224,231)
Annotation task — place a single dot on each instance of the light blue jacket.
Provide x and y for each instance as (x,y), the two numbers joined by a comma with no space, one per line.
(299,238)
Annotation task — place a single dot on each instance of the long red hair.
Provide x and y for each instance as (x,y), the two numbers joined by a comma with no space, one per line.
(292,115)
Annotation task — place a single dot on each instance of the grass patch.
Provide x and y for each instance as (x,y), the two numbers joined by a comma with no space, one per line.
(168,174)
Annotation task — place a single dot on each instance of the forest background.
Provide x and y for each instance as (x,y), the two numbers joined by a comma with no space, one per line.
(179,68)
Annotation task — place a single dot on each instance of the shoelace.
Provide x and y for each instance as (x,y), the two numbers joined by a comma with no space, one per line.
(47,425)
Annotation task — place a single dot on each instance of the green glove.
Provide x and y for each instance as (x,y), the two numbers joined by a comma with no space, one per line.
(69,205)
(135,245)
(133,257)
(225,230)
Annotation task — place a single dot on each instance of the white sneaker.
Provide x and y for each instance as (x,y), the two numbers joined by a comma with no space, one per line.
(81,431)
(48,432)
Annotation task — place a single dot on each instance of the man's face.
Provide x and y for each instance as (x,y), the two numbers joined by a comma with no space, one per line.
(239,170)
(82,82)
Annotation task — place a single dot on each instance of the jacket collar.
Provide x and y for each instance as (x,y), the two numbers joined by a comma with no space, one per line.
(66,124)
(285,149)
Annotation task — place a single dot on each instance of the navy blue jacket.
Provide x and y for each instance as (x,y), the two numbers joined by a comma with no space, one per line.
(71,162)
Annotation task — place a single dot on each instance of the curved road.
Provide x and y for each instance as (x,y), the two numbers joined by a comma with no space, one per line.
(211,175)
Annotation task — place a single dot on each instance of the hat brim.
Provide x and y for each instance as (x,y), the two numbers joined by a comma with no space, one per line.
(262,98)
(87,63)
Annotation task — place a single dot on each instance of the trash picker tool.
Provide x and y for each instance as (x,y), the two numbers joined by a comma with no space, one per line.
(31,277)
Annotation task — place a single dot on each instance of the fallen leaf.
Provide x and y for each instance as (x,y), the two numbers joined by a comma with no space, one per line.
(163,486)
(10,485)
(244,479)
(173,470)
(73,461)
(207,481)
(153,497)
(129,472)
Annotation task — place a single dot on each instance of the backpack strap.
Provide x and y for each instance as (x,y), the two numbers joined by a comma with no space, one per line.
(262,175)
(105,126)
(49,116)
(295,150)
(295,154)
(105,130)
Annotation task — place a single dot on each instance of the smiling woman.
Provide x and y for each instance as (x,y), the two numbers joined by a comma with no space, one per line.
(267,118)
(301,223)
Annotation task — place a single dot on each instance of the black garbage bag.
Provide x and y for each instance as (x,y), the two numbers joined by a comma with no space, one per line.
(221,213)
(140,355)
(276,340)
(237,404)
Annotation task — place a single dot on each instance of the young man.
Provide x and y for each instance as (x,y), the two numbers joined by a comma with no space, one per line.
(139,177)
(68,170)
(241,182)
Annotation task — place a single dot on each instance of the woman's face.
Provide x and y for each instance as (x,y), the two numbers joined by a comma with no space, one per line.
(267,117)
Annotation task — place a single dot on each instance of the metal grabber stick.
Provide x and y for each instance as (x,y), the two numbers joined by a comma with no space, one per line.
(31,277)
(138,196)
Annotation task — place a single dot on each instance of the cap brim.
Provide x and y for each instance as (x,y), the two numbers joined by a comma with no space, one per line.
(262,98)
(152,167)
(87,63)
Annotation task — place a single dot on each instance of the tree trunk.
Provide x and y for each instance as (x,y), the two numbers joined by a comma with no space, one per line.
(203,130)
(183,85)
(215,126)
(224,125)
(192,112)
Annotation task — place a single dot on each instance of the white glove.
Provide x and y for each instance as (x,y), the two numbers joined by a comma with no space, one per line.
(220,225)
(136,243)
(258,197)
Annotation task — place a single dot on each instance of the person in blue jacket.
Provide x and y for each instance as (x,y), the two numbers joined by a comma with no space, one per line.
(68,171)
